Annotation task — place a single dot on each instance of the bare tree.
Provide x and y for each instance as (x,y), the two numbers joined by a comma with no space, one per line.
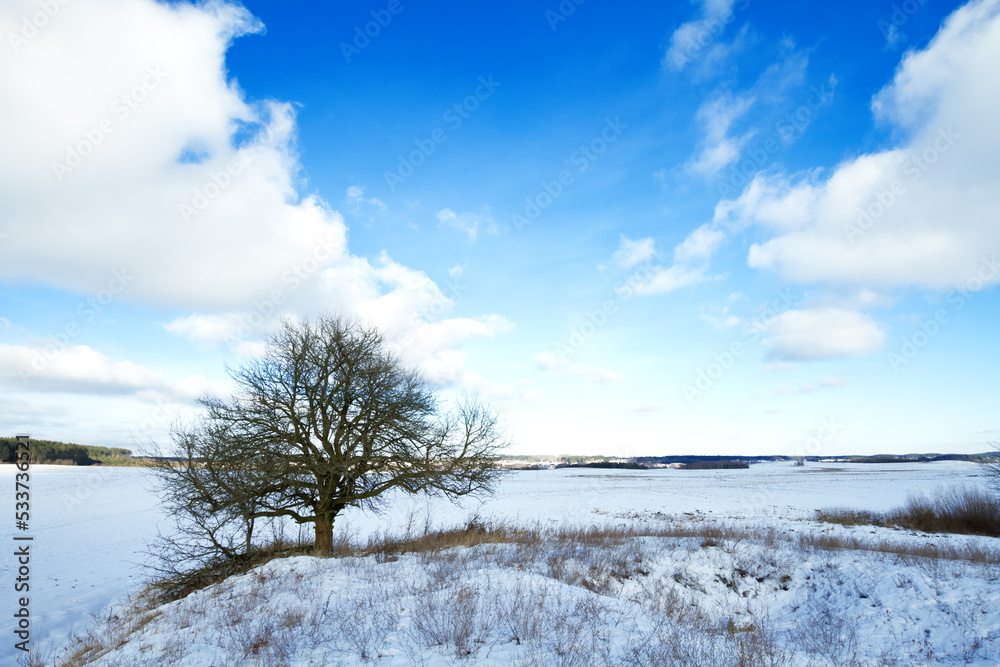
(210,487)
(327,418)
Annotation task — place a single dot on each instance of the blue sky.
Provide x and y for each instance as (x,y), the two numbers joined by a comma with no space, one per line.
(633,228)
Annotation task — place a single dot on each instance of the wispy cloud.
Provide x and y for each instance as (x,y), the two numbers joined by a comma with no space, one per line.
(630,253)
(719,149)
(468,223)
(695,39)
(553,363)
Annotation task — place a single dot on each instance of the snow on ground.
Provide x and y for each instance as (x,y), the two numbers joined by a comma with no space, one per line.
(90,526)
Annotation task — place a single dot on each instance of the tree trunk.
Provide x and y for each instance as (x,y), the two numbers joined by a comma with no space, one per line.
(324,536)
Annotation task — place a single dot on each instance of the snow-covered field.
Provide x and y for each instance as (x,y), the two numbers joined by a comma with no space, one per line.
(90,526)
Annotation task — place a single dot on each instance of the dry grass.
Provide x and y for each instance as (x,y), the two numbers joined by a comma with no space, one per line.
(580,543)
(962,510)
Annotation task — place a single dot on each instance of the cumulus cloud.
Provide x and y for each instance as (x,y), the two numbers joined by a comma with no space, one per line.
(922,213)
(822,333)
(134,150)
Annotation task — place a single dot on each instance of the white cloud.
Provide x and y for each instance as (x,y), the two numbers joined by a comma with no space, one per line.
(45,367)
(920,214)
(134,89)
(699,244)
(180,181)
(822,333)
(690,40)
(468,223)
(719,150)
(665,280)
(553,363)
(631,252)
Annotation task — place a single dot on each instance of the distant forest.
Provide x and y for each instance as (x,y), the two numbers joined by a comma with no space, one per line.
(66,453)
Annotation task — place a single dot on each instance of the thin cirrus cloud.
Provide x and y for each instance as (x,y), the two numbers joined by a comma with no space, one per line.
(696,39)
(470,224)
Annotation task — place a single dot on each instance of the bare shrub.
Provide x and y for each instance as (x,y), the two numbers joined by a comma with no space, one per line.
(520,612)
(755,644)
(366,617)
(673,645)
(564,642)
(453,618)
(827,633)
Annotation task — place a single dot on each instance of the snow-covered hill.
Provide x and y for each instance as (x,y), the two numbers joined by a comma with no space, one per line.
(685,567)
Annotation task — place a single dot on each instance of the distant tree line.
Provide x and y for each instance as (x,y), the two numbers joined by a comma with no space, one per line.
(694,458)
(51,451)
(613,465)
(716,465)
